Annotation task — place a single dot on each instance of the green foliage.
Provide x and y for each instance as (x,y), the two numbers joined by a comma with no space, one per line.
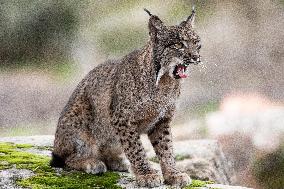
(198,183)
(44,148)
(122,40)
(71,180)
(28,129)
(58,70)
(46,177)
(205,108)
(154,159)
(178,157)
(23,146)
(35,30)
(13,155)
(41,33)
(63,71)
(182,9)
(269,170)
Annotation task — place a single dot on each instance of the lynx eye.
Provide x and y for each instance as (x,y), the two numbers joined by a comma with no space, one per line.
(178,45)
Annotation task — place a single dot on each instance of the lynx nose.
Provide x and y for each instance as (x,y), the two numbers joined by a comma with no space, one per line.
(195,58)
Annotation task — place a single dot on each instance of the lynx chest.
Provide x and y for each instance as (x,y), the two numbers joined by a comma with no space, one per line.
(152,108)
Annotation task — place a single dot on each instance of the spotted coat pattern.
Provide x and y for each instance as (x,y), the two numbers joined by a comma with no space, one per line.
(121,99)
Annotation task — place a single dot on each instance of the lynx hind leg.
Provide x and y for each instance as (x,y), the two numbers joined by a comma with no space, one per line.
(87,156)
(74,142)
(84,155)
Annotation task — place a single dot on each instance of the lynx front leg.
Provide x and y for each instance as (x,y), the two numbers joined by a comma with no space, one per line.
(161,139)
(134,151)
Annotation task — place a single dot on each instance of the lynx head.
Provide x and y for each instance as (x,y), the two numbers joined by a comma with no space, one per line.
(174,47)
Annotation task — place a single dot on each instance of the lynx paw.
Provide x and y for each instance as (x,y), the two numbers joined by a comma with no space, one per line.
(96,167)
(178,179)
(149,180)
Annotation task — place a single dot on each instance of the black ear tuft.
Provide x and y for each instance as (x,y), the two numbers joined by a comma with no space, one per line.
(189,22)
(155,24)
(191,18)
(147,11)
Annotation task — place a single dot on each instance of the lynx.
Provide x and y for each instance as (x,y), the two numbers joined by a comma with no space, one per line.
(121,99)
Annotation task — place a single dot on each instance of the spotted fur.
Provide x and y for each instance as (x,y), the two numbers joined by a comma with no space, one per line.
(121,99)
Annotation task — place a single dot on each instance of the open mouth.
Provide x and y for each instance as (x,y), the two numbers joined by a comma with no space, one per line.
(180,71)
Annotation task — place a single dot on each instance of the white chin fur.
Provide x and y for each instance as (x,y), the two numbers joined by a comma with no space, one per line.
(160,74)
(175,61)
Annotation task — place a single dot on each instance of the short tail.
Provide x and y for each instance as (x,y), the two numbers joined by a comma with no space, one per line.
(56,161)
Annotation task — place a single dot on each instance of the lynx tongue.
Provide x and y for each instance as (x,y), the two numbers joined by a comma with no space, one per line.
(181,71)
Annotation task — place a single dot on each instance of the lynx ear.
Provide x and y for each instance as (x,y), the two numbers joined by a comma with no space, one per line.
(190,20)
(155,24)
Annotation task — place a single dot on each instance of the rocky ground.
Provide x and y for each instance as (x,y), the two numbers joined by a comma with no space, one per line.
(202,159)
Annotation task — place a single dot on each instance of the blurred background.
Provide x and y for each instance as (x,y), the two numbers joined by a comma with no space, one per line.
(236,96)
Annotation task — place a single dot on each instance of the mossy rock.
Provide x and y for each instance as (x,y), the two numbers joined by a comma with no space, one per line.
(46,176)
(16,156)
(198,183)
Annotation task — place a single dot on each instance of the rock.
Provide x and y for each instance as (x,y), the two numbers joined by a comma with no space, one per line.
(202,159)
(38,140)
(220,186)
(8,177)
(248,126)
(208,161)
(128,182)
